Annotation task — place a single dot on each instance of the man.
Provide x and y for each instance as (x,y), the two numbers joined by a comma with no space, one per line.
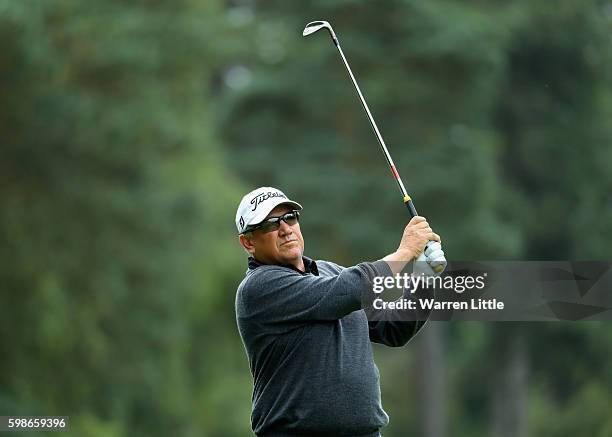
(303,327)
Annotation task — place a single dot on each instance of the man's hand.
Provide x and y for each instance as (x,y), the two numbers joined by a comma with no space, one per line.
(416,235)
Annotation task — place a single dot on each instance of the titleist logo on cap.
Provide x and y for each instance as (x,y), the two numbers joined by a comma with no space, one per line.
(256,204)
(257,200)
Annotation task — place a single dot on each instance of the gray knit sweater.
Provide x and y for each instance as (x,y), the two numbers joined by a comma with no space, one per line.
(308,345)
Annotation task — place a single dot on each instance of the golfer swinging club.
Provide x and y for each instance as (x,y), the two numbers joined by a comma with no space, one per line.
(303,327)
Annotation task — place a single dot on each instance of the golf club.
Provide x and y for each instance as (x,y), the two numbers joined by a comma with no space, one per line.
(439,263)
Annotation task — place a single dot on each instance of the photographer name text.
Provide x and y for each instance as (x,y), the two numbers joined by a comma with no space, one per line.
(412,283)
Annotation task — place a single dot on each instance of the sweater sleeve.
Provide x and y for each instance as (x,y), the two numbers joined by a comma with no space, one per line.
(398,328)
(394,333)
(276,294)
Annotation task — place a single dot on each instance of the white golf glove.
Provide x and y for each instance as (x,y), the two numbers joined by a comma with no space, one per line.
(431,261)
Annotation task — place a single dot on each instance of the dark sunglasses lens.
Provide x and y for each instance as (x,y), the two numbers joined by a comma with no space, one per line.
(270,226)
(273,224)
(291,218)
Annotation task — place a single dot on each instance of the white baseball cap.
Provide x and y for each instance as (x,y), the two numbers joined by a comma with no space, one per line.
(255,206)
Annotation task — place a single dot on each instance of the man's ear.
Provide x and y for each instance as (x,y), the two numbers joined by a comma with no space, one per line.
(247,244)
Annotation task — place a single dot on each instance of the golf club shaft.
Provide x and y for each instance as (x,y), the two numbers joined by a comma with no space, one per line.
(440,261)
(406,198)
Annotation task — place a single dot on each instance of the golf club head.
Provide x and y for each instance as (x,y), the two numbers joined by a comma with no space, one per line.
(315,26)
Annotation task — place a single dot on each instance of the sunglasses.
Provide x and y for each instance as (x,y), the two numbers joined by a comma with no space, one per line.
(273,223)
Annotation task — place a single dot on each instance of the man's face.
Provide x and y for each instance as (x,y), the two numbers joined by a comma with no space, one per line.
(282,246)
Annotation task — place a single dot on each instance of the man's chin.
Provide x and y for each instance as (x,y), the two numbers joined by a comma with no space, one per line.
(290,254)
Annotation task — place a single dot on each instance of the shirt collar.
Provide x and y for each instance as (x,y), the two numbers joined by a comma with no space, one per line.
(310,266)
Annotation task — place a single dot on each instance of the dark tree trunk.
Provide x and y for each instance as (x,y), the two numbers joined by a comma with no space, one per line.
(509,406)
(432,381)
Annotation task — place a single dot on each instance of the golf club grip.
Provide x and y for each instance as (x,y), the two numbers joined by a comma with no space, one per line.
(411,208)
(441,265)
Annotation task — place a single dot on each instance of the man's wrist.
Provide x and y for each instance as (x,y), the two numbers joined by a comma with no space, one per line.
(398,260)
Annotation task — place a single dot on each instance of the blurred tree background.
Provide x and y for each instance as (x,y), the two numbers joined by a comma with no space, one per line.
(130,130)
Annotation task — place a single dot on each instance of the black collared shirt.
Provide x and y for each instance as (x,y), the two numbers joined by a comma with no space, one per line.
(310,266)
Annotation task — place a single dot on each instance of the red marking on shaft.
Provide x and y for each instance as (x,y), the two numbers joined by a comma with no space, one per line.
(394,172)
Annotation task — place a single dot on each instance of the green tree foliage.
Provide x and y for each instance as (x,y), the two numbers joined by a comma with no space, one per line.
(128,131)
(553,113)
(497,116)
(432,97)
(113,244)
